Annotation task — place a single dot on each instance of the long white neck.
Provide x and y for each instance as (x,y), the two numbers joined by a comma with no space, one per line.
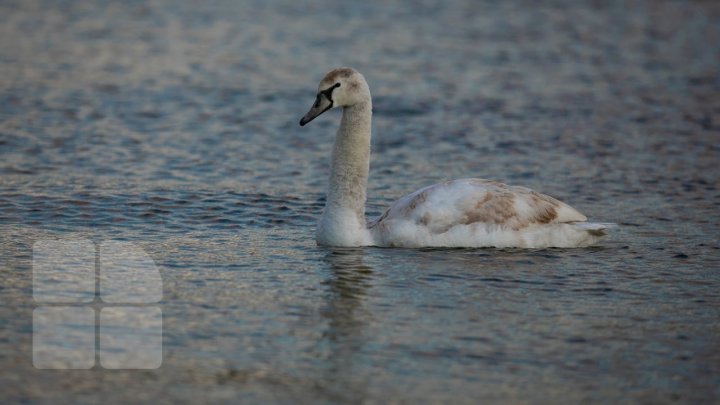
(343,220)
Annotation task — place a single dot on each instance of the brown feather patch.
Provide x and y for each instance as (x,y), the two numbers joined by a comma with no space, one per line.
(493,208)
(417,200)
(334,74)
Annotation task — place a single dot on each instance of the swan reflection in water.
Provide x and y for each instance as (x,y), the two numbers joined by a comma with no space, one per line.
(348,283)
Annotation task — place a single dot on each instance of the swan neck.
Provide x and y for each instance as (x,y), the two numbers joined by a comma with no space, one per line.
(351,159)
(344,214)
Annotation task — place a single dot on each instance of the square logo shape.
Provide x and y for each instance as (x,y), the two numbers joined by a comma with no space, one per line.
(131,337)
(64,271)
(64,338)
(128,275)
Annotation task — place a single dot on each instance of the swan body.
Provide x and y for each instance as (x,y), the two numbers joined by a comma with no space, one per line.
(457,213)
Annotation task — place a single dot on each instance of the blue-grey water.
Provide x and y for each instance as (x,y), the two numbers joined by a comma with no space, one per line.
(173,125)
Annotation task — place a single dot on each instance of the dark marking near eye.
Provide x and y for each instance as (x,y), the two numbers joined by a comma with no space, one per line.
(328,92)
(328,95)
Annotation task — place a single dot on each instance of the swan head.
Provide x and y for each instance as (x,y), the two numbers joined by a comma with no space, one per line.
(341,87)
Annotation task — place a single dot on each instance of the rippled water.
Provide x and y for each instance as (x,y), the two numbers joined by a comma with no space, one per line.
(175,127)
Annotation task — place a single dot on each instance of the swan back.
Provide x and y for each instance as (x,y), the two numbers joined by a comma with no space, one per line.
(478,212)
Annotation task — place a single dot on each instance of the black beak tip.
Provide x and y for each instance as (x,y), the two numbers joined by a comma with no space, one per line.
(305,120)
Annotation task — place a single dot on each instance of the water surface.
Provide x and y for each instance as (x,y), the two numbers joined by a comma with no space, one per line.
(174,126)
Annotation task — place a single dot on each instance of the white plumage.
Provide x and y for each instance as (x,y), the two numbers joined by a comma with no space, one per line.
(458,213)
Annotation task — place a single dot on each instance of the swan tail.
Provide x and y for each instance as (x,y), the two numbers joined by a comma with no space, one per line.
(596,229)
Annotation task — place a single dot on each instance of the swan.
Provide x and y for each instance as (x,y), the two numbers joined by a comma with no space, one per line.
(458,213)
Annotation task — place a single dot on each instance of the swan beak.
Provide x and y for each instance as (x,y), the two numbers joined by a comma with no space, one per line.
(321,105)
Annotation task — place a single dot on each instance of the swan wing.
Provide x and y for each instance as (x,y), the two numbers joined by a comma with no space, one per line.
(443,206)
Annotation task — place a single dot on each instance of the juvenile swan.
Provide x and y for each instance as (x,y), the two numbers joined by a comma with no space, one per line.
(460,213)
